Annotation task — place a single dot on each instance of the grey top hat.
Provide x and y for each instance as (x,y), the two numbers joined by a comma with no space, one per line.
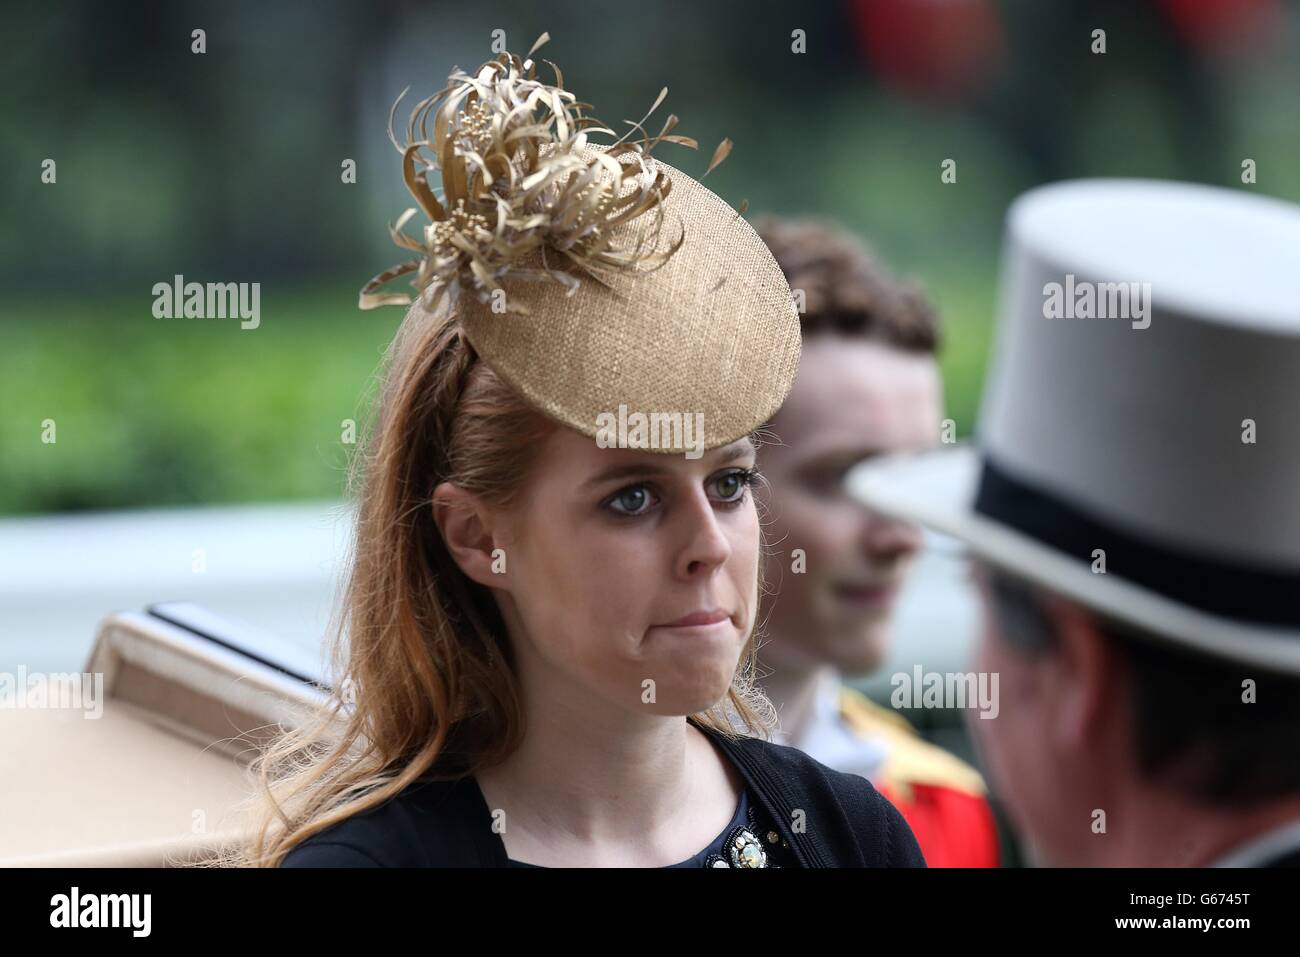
(1138,444)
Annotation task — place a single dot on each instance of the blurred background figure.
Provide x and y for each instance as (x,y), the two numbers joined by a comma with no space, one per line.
(868,384)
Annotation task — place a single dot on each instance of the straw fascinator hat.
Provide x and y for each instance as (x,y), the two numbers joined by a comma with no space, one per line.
(588,276)
(1160,438)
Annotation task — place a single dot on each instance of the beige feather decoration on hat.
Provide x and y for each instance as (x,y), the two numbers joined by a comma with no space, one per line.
(514,182)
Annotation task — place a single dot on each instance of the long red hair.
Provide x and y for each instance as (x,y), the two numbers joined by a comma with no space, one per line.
(427,688)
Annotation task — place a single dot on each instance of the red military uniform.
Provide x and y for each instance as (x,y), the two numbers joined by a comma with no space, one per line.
(943,798)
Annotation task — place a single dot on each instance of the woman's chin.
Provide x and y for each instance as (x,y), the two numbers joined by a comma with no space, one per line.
(690,684)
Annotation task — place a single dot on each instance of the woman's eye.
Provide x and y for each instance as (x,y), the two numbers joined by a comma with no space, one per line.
(632,500)
(729,490)
(731,487)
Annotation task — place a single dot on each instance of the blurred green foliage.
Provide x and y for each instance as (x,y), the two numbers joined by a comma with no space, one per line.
(168,411)
(171,411)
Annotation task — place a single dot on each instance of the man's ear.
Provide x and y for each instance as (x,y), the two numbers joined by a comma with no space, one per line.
(1086,672)
(467,528)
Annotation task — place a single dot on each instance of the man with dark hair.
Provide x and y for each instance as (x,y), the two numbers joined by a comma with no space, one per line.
(1180,759)
(1134,515)
(868,384)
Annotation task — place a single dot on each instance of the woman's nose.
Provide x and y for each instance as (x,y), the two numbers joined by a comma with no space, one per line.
(706,545)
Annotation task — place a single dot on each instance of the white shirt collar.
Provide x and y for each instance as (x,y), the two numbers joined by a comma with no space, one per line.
(1264,848)
(826,738)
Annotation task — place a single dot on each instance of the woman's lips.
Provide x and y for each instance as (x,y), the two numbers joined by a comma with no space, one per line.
(699,618)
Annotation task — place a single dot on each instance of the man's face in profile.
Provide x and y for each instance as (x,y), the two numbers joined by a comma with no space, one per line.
(852,399)
(1043,752)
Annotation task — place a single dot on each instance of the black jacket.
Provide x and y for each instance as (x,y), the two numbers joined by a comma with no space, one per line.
(845,821)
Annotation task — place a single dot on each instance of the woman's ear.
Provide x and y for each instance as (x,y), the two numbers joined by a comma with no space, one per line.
(467,530)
